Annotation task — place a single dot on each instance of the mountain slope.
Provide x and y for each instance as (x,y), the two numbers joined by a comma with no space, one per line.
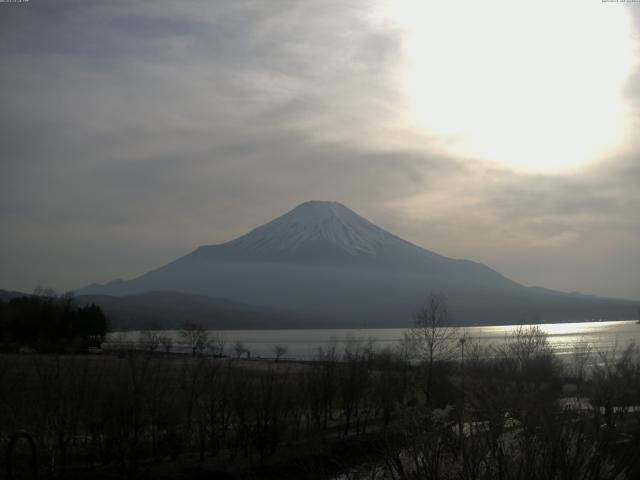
(326,263)
(171,309)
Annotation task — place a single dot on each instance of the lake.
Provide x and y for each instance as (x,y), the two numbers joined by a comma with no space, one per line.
(304,344)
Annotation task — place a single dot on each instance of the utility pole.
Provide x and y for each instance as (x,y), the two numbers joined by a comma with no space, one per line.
(463,340)
(461,421)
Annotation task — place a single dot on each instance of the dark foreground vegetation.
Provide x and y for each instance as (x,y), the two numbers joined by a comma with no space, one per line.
(47,322)
(436,407)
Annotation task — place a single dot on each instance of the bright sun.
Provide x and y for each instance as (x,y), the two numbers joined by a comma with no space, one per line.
(535,85)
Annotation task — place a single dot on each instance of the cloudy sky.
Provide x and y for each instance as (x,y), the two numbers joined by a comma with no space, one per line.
(499,131)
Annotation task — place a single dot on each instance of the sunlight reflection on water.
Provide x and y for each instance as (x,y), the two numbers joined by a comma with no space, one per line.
(304,344)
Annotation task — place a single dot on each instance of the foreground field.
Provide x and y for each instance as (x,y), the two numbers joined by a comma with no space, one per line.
(402,414)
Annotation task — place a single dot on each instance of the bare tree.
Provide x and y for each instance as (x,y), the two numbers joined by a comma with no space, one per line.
(353,380)
(195,336)
(216,345)
(582,352)
(323,384)
(432,336)
(167,343)
(46,292)
(527,343)
(150,340)
(62,389)
(279,351)
(239,348)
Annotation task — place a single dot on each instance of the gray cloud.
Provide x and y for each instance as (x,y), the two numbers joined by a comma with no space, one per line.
(133,132)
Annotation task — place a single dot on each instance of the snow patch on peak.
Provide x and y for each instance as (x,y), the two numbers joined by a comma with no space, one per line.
(316,223)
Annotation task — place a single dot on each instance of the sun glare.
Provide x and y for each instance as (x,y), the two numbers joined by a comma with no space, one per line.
(536,86)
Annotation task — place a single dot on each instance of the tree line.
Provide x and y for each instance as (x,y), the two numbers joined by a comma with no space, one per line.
(46,321)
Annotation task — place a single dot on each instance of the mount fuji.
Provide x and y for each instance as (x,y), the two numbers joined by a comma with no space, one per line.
(331,267)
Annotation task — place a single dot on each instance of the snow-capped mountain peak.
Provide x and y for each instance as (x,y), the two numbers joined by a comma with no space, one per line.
(316,223)
(328,264)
